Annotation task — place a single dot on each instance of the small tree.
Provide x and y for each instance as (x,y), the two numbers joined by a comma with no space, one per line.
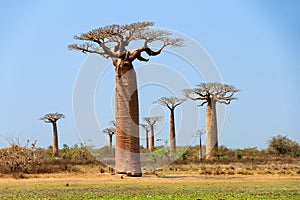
(281,145)
(199,134)
(151,121)
(112,42)
(113,123)
(110,132)
(147,129)
(210,94)
(171,103)
(53,118)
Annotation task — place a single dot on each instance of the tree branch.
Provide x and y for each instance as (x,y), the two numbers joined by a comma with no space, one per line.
(203,103)
(85,49)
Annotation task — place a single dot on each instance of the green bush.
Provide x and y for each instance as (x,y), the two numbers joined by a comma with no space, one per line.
(76,153)
(223,152)
(281,145)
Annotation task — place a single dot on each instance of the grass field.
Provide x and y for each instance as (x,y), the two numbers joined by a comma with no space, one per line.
(167,186)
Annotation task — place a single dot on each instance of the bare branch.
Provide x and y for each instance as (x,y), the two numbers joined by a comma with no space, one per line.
(86,48)
(190,94)
(203,103)
(113,123)
(145,126)
(166,42)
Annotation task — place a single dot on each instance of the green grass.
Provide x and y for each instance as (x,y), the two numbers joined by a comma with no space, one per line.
(152,188)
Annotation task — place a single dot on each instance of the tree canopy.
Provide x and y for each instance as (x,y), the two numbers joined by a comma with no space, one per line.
(222,93)
(109,131)
(170,102)
(112,41)
(52,117)
(152,120)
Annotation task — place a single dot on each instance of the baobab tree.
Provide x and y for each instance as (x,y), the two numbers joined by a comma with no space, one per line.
(151,121)
(199,134)
(147,129)
(210,94)
(112,42)
(171,103)
(113,123)
(53,118)
(110,132)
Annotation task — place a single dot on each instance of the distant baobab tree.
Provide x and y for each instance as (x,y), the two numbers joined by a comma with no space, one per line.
(210,94)
(113,123)
(199,134)
(151,121)
(171,103)
(53,118)
(110,132)
(112,42)
(147,129)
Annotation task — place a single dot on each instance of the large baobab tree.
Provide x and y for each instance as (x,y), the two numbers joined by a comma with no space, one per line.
(110,132)
(112,42)
(151,121)
(171,103)
(147,129)
(210,94)
(53,118)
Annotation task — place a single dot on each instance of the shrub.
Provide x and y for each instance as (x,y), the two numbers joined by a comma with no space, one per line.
(239,155)
(281,145)
(77,153)
(16,159)
(223,152)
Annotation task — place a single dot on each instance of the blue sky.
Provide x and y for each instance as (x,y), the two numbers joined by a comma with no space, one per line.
(254,45)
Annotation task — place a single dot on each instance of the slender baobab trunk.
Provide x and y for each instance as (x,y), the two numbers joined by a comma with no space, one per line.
(110,140)
(151,138)
(200,149)
(55,140)
(127,122)
(147,140)
(172,132)
(211,128)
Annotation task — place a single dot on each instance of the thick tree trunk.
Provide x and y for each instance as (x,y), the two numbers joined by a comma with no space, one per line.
(147,140)
(211,128)
(172,132)
(151,138)
(127,160)
(55,141)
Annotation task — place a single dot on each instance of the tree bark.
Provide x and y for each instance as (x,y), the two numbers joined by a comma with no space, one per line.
(127,156)
(151,138)
(110,140)
(172,132)
(147,140)
(55,141)
(211,128)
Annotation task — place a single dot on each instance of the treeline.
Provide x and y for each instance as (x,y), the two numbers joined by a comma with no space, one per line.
(29,159)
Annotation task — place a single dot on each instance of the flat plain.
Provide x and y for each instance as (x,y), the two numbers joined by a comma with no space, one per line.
(160,186)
